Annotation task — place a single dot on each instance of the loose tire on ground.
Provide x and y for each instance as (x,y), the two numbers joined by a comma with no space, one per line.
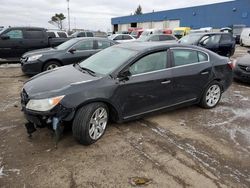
(211,96)
(85,120)
(51,65)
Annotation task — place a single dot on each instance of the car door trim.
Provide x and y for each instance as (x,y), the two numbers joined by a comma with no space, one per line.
(161,108)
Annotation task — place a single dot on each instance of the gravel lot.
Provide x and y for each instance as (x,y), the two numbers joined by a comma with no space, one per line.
(188,147)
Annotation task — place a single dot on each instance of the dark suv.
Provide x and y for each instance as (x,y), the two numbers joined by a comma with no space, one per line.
(221,43)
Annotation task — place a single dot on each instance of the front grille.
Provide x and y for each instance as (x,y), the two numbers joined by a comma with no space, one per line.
(24,97)
(244,68)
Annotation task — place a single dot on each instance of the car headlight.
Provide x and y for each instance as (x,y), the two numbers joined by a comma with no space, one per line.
(34,57)
(43,104)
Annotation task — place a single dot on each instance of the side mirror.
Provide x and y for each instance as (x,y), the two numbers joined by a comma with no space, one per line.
(124,75)
(5,37)
(72,50)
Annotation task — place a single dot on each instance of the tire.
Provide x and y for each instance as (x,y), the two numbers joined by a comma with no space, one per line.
(86,132)
(51,65)
(211,96)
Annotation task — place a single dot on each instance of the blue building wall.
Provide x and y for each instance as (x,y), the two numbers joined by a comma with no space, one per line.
(215,15)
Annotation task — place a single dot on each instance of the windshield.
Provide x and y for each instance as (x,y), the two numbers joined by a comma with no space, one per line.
(106,61)
(146,33)
(190,39)
(143,38)
(67,44)
(2,30)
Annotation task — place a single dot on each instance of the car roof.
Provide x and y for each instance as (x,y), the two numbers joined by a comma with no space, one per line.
(91,38)
(146,46)
(210,33)
(26,28)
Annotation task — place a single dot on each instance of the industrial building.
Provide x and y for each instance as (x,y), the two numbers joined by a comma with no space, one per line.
(213,15)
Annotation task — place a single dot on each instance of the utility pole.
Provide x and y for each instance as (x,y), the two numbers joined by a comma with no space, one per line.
(68,16)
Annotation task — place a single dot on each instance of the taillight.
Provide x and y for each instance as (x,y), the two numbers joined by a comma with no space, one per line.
(232,63)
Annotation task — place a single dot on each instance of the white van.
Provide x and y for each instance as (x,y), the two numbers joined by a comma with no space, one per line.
(245,37)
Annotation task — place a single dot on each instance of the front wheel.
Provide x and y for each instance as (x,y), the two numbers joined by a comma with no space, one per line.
(51,65)
(211,96)
(90,123)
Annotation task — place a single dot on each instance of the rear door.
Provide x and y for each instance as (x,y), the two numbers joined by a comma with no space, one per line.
(211,42)
(149,88)
(191,72)
(227,45)
(14,46)
(35,39)
(83,50)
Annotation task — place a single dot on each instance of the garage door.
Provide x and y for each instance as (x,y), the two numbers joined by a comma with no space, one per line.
(124,27)
(173,24)
(158,25)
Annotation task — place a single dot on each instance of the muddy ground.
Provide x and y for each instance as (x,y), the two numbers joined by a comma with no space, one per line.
(188,147)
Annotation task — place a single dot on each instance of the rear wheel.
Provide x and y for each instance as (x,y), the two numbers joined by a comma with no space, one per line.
(211,96)
(51,65)
(90,123)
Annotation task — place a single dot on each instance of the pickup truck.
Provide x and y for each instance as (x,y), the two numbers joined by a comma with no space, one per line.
(15,41)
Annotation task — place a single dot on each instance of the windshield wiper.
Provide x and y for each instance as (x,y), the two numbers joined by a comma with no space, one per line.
(87,70)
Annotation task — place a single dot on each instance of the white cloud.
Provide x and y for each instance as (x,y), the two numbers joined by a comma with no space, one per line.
(93,15)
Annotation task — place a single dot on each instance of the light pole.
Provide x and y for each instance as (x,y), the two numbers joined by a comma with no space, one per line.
(68,16)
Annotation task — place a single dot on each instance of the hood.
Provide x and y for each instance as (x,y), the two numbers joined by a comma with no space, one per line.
(245,60)
(43,51)
(56,82)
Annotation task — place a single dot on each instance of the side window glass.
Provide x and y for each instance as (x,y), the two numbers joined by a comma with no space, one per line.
(89,34)
(51,34)
(149,63)
(154,38)
(82,34)
(103,44)
(33,34)
(212,40)
(119,37)
(62,34)
(202,57)
(15,34)
(225,38)
(84,45)
(126,37)
(185,57)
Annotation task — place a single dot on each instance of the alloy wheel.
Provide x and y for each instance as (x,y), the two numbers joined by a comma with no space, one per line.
(52,66)
(98,122)
(213,95)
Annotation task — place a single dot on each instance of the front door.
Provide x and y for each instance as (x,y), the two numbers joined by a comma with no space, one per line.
(83,50)
(12,47)
(148,88)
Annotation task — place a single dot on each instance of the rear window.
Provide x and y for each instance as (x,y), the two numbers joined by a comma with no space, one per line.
(62,34)
(33,34)
(81,34)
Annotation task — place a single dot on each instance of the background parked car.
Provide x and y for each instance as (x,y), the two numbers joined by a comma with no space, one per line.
(15,41)
(158,37)
(136,33)
(148,32)
(72,51)
(245,37)
(237,30)
(57,34)
(221,43)
(180,32)
(82,34)
(125,82)
(242,68)
(121,38)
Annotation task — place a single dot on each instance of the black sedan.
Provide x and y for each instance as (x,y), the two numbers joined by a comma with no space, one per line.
(122,83)
(72,51)
(242,69)
(220,43)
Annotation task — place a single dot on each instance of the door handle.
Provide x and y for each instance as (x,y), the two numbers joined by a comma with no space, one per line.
(203,73)
(166,82)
